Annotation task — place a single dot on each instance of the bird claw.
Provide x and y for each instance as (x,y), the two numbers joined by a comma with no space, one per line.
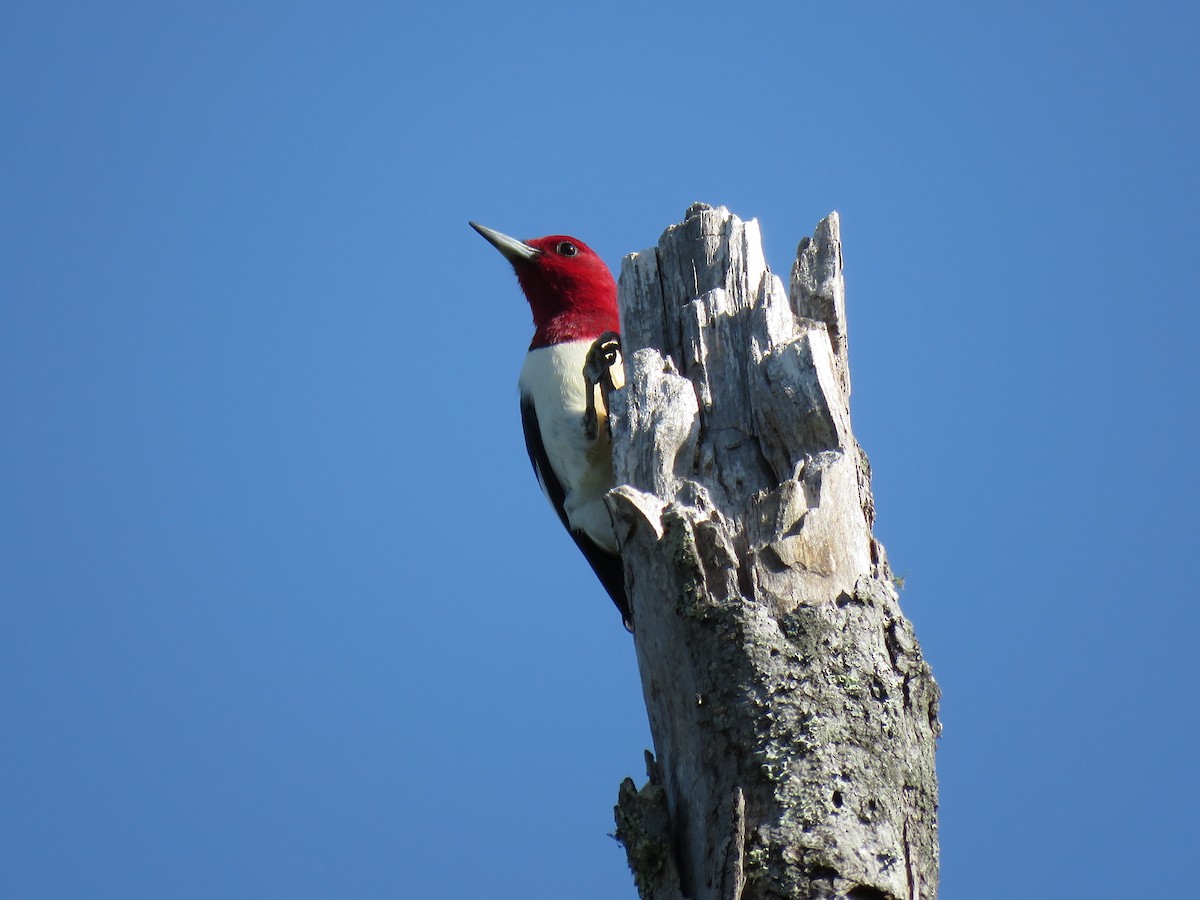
(597,372)
(603,355)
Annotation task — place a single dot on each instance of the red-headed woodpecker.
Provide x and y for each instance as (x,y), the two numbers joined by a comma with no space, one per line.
(563,407)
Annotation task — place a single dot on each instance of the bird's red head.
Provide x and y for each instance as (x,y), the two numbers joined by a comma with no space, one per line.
(569,288)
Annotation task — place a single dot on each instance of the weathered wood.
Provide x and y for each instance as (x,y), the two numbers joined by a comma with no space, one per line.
(794,720)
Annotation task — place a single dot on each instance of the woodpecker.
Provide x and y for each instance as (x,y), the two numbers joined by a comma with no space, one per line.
(573,361)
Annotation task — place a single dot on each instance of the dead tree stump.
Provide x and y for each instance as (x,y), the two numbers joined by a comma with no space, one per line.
(793,717)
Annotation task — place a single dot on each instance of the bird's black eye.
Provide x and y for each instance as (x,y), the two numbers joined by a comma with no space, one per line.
(566,248)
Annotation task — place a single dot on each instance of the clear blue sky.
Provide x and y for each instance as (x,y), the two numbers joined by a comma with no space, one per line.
(283,614)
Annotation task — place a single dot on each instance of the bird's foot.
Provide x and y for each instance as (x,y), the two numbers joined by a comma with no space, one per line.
(597,372)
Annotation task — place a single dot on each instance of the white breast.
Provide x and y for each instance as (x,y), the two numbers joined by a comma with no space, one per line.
(553,378)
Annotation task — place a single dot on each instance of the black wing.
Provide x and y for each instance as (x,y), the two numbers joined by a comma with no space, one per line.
(607,566)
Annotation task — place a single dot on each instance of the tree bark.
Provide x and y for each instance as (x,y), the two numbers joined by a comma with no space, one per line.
(793,717)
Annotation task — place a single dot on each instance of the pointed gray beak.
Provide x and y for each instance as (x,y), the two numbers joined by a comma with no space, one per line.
(514,251)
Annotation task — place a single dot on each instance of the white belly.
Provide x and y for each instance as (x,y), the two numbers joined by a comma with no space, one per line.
(553,378)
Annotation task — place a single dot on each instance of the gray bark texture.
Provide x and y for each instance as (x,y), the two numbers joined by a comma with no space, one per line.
(794,719)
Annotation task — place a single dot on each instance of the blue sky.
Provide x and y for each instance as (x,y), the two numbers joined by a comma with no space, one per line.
(283,612)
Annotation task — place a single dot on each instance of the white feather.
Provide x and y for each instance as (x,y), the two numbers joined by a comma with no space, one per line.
(553,378)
